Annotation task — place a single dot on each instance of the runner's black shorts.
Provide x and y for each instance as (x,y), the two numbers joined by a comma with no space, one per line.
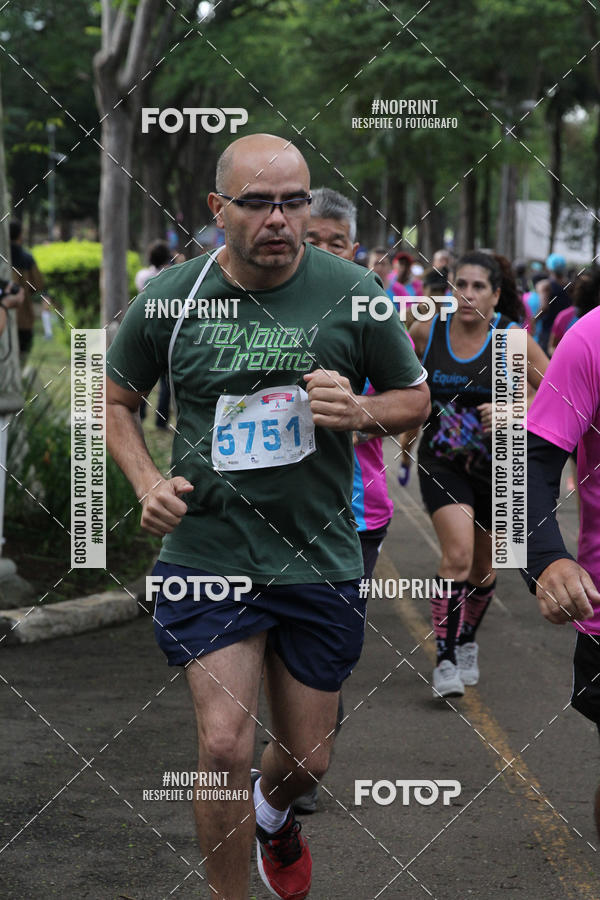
(449,481)
(586,676)
(316,629)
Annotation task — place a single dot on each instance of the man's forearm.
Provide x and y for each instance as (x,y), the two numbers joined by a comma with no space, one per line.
(125,442)
(394,411)
(545,544)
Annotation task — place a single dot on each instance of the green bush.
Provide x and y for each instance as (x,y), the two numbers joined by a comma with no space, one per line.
(38,458)
(71,272)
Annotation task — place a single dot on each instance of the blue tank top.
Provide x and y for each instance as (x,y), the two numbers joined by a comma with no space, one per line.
(453,431)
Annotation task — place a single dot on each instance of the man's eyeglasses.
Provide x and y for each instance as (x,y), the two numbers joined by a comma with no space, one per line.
(265,207)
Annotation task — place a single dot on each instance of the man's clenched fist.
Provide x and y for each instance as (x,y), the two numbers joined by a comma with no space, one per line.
(162,510)
(333,404)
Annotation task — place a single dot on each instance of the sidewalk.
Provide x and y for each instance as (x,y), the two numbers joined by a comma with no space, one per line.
(107,717)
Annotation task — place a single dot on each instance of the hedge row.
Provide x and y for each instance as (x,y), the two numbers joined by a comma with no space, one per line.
(71,272)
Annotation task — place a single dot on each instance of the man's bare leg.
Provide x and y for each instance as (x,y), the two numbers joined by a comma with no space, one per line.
(226,744)
(302,717)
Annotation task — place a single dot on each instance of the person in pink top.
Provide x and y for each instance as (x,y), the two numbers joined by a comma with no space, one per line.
(406,285)
(566,414)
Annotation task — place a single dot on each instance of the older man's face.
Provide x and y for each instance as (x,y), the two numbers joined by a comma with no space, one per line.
(332,235)
(266,239)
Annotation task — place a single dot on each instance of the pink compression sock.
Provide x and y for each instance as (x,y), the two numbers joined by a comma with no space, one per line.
(447,615)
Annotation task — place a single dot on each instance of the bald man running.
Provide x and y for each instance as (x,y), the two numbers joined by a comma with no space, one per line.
(260,489)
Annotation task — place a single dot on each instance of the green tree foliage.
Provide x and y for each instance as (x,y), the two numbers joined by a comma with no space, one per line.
(305,69)
(53,41)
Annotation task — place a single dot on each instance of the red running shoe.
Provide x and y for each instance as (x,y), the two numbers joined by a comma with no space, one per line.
(284,860)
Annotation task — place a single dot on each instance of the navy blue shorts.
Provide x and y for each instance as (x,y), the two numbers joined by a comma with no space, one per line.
(316,629)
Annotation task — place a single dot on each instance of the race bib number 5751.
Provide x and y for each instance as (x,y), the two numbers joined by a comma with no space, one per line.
(272,427)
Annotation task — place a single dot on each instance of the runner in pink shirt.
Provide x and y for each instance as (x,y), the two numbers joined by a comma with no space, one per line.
(566,414)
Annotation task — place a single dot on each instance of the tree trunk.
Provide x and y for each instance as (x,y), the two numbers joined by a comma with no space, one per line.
(65,228)
(11,397)
(513,188)
(486,212)
(468,215)
(507,214)
(29,225)
(397,208)
(381,232)
(368,218)
(192,218)
(555,173)
(430,235)
(195,165)
(115,189)
(154,177)
(127,47)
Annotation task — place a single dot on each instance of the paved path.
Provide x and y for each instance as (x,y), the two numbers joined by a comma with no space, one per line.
(89,722)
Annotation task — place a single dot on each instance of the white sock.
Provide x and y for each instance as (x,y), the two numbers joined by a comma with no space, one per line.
(267,817)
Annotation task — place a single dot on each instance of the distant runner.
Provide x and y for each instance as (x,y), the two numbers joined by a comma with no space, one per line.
(455,467)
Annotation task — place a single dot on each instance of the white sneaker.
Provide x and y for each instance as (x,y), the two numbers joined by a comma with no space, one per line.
(447,681)
(466,660)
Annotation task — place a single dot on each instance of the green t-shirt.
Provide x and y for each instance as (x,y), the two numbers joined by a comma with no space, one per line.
(291,523)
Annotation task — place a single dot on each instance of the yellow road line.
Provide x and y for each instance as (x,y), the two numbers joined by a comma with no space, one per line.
(554,836)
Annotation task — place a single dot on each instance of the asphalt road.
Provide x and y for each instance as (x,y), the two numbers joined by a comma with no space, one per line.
(89,722)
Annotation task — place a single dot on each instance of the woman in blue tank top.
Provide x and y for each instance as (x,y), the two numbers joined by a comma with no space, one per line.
(455,458)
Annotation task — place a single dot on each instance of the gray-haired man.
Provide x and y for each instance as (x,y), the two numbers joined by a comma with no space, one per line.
(332,224)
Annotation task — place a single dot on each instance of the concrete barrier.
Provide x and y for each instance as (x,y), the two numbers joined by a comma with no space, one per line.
(28,624)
